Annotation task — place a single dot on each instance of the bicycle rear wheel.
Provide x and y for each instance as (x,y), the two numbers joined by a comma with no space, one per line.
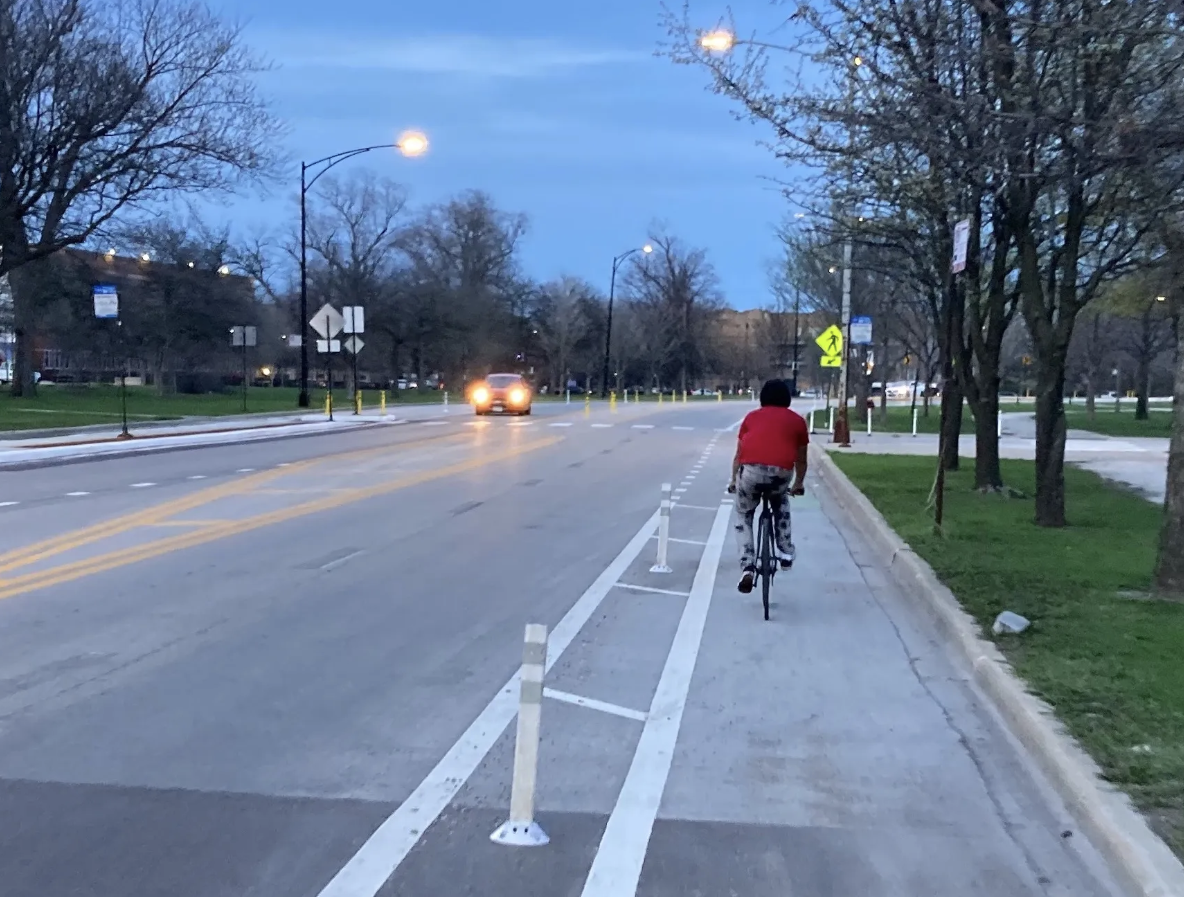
(768,560)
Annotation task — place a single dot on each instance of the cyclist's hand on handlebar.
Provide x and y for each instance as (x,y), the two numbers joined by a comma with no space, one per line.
(798,490)
(731,488)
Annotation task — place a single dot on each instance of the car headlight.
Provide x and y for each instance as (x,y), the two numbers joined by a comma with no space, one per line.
(518,396)
(481,395)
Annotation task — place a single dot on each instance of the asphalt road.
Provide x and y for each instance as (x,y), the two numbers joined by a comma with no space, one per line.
(294,677)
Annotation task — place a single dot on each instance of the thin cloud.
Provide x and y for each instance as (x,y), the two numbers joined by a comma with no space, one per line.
(446,54)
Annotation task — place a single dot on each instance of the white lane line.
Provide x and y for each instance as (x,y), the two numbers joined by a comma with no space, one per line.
(8,504)
(333,565)
(437,423)
(562,423)
(76,494)
(202,476)
(384,851)
(699,507)
(601,426)
(680,490)
(593,704)
(284,464)
(684,429)
(245,470)
(142,485)
(685,541)
(643,426)
(521,423)
(616,869)
(652,590)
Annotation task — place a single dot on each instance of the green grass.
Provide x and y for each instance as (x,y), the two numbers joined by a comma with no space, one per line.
(79,406)
(1109,422)
(1107,658)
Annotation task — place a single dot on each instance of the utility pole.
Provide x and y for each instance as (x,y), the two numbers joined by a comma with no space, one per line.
(842,434)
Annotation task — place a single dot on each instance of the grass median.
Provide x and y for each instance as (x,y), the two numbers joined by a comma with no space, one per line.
(65,406)
(1123,423)
(1099,651)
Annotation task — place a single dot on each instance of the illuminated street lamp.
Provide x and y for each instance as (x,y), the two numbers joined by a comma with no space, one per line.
(608,330)
(718,41)
(411,144)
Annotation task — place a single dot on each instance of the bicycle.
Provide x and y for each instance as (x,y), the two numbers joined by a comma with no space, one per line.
(767,562)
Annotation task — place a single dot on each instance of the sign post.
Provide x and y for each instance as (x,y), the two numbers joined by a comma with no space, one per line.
(353,324)
(106,300)
(242,338)
(327,323)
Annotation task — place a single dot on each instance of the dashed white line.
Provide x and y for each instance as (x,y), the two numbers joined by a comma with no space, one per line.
(643,426)
(333,565)
(245,470)
(652,590)
(202,476)
(142,485)
(76,494)
(562,423)
(684,429)
(8,504)
(601,426)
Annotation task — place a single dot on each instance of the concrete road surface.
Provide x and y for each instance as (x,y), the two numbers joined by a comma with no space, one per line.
(289,670)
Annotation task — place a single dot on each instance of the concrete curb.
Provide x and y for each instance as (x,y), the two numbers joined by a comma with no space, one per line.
(1143,864)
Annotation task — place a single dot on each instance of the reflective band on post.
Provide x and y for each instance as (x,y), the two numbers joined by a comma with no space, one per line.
(520,830)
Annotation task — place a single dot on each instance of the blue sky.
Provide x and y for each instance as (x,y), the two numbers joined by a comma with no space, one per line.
(557,109)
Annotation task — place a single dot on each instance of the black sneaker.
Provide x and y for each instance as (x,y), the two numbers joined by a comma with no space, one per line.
(747,581)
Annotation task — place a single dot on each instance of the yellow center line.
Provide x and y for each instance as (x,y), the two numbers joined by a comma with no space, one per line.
(38,551)
(41,579)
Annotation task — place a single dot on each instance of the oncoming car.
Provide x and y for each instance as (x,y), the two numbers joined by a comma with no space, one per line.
(501,394)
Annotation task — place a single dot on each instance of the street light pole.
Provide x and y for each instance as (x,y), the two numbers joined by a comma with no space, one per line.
(608,329)
(842,434)
(409,144)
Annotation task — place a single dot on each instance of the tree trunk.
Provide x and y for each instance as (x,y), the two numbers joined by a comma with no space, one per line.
(951,424)
(1169,569)
(1143,387)
(22,283)
(1050,443)
(988,475)
(1091,395)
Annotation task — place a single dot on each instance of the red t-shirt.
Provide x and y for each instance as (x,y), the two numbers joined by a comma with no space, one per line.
(773,436)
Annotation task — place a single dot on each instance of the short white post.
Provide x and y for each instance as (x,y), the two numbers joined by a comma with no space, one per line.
(663,533)
(520,830)
(869,421)
(998,425)
(914,420)
(831,425)
(568,399)
(811,420)
(445,400)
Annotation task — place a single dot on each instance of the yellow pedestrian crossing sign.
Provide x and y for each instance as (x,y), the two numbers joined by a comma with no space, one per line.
(831,344)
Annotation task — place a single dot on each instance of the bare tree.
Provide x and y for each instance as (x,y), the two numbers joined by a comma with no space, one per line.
(676,289)
(106,104)
(561,316)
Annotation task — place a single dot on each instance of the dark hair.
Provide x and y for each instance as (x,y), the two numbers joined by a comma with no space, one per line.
(776,393)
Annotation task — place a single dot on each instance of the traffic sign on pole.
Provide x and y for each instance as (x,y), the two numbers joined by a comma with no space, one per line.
(830,341)
(353,319)
(326,346)
(861,331)
(327,322)
(353,344)
(832,361)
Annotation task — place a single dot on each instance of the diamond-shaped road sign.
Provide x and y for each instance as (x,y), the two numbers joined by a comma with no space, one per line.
(327,322)
(354,344)
(831,343)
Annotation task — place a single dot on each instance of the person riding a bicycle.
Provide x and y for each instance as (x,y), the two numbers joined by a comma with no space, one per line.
(770,460)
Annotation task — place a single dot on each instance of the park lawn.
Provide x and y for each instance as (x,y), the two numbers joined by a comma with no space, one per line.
(1102,654)
(1109,422)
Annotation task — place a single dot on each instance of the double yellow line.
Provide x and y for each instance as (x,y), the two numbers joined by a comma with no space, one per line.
(212,531)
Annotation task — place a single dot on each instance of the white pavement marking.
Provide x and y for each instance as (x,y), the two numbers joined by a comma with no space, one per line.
(700,507)
(643,426)
(202,476)
(687,541)
(684,429)
(521,423)
(76,494)
(142,485)
(561,423)
(438,423)
(245,470)
(680,490)
(651,589)
(621,854)
(601,426)
(333,565)
(377,859)
(8,504)
(593,704)
(281,464)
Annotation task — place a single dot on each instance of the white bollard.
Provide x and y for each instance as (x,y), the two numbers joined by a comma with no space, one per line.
(999,425)
(663,533)
(568,399)
(869,422)
(811,420)
(914,421)
(831,425)
(445,400)
(520,830)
